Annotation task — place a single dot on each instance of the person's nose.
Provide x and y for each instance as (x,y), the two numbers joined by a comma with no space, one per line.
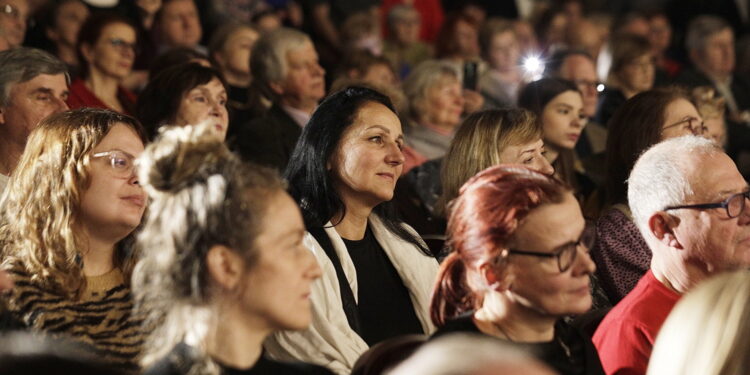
(545,167)
(394,156)
(60,104)
(583,263)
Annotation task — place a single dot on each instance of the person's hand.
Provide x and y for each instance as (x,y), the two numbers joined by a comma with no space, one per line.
(473,101)
(6,283)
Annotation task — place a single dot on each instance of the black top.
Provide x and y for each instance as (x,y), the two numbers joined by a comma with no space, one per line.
(180,360)
(609,102)
(268,140)
(570,353)
(384,305)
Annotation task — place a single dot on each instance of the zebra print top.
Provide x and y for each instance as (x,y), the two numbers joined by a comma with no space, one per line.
(103,317)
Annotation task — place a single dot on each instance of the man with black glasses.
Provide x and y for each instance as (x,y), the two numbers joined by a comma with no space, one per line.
(689,202)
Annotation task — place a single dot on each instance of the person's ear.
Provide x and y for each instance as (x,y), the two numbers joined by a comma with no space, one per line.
(276,87)
(662,226)
(497,273)
(225,266)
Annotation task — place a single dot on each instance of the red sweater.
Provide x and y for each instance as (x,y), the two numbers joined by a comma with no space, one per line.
(80,96)
(626,336)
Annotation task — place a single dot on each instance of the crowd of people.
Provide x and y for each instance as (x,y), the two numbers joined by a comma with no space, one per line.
(374,187)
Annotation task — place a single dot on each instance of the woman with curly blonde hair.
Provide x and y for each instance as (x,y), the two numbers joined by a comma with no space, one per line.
(68,212)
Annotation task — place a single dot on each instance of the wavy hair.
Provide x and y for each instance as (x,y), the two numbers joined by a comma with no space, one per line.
(484,218)
(41,205)
(202,195)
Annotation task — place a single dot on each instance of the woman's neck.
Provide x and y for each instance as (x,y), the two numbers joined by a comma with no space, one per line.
(105,88)
(236,341)
(67,54)
(354,224)
(501,316)
(98,258)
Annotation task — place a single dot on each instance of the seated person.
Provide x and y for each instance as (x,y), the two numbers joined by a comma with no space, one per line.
(66,240)
(107,45)
(688,201)
(519,264)
(376,271)
(220,274)
(185,94)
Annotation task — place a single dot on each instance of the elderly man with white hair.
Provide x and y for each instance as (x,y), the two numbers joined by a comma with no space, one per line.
(688,200)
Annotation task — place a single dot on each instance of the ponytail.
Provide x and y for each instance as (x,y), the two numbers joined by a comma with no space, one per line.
(450,296)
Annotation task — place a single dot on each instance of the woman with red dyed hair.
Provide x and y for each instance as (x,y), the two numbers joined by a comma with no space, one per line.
(519,263)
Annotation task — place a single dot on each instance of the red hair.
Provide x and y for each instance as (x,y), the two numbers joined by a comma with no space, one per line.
(482,221)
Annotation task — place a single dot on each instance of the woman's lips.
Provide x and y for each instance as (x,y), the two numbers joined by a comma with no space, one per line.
(137,200)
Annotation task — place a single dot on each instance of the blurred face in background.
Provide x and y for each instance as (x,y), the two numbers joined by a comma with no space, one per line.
(582,71)
(717,57)
(179,24)
(67,22)
(406,30)
(563,120)
(113,54)
(13,17)
(504,52)
(638,75)
(234,58)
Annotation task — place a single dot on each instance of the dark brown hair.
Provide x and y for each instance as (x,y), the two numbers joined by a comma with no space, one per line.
(633,128)
(483,220)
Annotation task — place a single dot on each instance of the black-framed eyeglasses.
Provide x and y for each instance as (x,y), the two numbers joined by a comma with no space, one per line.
(694,125)
(734,205)
(565,254)
(122,163)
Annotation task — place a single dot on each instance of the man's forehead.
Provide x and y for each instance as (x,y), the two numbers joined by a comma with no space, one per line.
(578,67)
(48,81)
(714,176)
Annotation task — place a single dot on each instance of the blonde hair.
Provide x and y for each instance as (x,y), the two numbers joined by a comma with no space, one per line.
(708,331)
(202,195)
(429,74)
(41,205)
(478,143)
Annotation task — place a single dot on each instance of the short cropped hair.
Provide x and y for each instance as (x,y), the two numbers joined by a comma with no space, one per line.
(659,177)
(20,65)
(268,58)
(701,28)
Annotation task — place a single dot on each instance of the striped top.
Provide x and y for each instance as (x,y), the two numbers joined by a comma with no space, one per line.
(102,318)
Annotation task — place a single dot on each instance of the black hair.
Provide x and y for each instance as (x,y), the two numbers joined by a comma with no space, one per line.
(310,183)
(160,99)
(537,94)
(174,56)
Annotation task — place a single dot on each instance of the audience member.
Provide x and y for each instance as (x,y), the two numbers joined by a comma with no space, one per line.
(376,274)
(33,85)
(707,331)
(549,27)
(65,20)
(711,108)
(484,139)
(519,263)
(147,9)
(632,72)
(361,32)
(230,50)
(107,47)
(660,38)
(286,70)
(586,35)
(449,356)
(220,273)
(185,94)
(66,239)
(458,40)
(436,103)
(500,83)
(403,46)
(558,104)
(177,25)
(620,253)
(364,66)
(14,15)
(690,240)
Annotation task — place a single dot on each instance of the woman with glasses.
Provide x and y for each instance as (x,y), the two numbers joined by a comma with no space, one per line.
(519,264)
(68,214)
(620,253)
(107,47)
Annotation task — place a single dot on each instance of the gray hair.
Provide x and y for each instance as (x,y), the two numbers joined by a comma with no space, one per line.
(701,28)
(18,65)
(268,59)
(660,176)
(424,77)
(448,356)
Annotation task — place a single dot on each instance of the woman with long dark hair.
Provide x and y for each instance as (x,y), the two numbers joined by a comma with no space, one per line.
(376,271)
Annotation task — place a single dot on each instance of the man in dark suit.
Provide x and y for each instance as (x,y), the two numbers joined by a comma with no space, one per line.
(285,67)
(710,45)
